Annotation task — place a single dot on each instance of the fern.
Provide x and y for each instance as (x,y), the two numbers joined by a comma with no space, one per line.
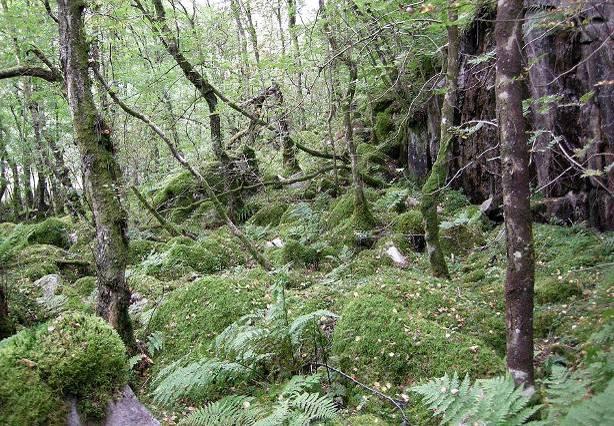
(489,401)
(314,406)
(294,407)
(598,410)
(564,389)
(201,376)
(235,410)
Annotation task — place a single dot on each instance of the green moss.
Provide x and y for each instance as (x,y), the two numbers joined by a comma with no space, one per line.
(300,254)
(51,231)
(269,215)
(383,125)
(181,256)
(78,294)
(75,355)
(556,289)
(179,187)
(364,420)
(408,348)
(342,209)
(453,201)
(6,228)
(193,315)
(84,286)
(138,250)
(82,356)
(25,398)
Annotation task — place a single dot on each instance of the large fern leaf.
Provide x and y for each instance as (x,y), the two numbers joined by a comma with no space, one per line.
(235,410)
(598,410)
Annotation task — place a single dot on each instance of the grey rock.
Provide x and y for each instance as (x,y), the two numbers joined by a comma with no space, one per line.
(49,284)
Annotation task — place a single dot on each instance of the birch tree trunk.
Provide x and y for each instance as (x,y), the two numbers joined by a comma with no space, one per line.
(516,193)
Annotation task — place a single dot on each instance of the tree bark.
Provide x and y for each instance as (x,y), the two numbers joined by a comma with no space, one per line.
(516,193)
(362,214)
(297,61)
(102,174)
(439,171)
(7,328)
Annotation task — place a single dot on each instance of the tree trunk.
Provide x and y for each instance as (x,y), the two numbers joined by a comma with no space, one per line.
(6,326)
(16,198)
(362,215)
(516,193)
(439,172)
(297,61)
(102,174)
(235,7)
(251,29)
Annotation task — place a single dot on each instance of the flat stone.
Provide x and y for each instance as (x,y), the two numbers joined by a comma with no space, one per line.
(128,410)
(397,257)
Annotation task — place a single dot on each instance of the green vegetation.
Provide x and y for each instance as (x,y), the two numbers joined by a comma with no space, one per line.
(75,355)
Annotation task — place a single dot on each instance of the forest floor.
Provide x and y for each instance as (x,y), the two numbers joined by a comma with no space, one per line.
(397,325)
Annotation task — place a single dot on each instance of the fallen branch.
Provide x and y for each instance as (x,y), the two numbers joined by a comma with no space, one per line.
(398,404)
(172,229)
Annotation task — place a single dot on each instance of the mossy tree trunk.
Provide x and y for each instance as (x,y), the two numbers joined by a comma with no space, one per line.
(16,187)
(439,172)
(520,275)
(297,61)
(102,173)
(362,214)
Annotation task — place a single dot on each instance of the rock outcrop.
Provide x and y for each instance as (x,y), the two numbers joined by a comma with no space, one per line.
(569,49)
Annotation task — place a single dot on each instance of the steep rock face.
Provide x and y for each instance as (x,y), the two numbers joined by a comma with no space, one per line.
(570,80)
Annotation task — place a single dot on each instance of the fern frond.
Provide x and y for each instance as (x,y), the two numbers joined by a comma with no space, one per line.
(297,327)
(315,406)
(564,389)
(235,410)
(598,410)
(490,401)
(299,384)
(201,376)
(277,417)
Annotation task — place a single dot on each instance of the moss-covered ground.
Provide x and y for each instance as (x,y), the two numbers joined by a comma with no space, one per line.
(397,326)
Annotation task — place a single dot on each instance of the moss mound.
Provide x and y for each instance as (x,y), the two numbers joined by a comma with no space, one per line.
(52,231)
(179,188)
(300,254)
(75,355)
(138,250)
(407,349)
(194,314)
(269,215)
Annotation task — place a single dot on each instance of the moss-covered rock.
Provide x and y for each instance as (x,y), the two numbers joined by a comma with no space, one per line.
(180,188)
(300,254)
(556,289)
(138,250)
(410,226)
(51,231)
(75,355)
(407,349)
(193,315)
(83,357)
(5,229)
(383,125)
(269,215)
(25,398)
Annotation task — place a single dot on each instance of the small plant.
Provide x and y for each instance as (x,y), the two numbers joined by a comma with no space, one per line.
(261,342)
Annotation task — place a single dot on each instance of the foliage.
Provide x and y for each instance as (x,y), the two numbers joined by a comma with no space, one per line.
(487,401)
(241,352)
(75,355)
(408,348)
(295,406)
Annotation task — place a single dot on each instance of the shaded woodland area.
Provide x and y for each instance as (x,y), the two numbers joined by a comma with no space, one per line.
(295,212)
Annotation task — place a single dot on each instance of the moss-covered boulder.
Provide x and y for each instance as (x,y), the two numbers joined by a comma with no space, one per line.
(139,249)
(74,356)
(300,254)
(51,231)
(411,228)
(383,125)
(407,349)
(269,215)
(179,188)
(194,314)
